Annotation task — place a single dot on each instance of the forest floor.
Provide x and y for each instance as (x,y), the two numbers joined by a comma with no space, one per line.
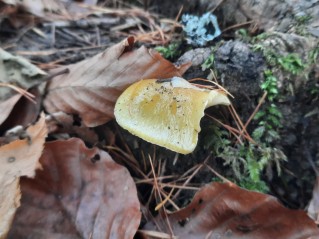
(266,56)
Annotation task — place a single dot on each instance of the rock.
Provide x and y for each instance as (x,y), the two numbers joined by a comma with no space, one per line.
(283,44)
(196,56)
(239,68)
(272,15)
(267,14)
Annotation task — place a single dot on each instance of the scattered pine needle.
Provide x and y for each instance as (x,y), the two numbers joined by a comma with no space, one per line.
(162,203)
(179,186)
(175,158)
(159,195)
(243,131)
(157,234)
(128,158)
(21,91)
(191,176)
(210,87)
(261,101)
(232,130)
(151,180)
(217,174)
(217,5)
(238,25)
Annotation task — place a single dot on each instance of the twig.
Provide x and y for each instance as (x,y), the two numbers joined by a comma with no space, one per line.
(218,4)
(238,25)
(61,72)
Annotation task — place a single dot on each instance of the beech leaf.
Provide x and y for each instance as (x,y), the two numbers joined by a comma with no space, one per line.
(7,106)
(80,193)
(18,158)
(92,86)
(223,210)
(38,8)
(26,110)
(17,72)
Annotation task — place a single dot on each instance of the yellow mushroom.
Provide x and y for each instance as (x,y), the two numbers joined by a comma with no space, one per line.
(166,112)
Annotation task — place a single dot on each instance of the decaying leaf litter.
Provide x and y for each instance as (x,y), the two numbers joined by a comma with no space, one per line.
(76,186)
(75,181)
(19,158)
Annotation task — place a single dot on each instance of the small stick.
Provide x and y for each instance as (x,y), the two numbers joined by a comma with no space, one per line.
(238,25)
(51,76)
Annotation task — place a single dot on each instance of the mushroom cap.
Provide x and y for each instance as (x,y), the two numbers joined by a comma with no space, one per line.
(166,112)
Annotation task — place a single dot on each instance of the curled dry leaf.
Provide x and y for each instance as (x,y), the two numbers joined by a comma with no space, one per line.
(93,85)
(18,158)
(6,106)
(166,113)
(226,211)
(17,72)
(38,8)
(48,10)
(23,111)
(80,193)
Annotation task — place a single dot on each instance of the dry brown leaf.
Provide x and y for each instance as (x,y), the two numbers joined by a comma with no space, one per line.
(226,211)
(17,71)
(80,193)
(18,74)
(18,158)
(7,106)
(93,85)
(39,8)
(23,12)
(23,112)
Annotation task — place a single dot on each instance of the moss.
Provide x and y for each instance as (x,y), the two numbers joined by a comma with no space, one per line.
(170,51)
(209,62)
(247,161)
(301,24)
